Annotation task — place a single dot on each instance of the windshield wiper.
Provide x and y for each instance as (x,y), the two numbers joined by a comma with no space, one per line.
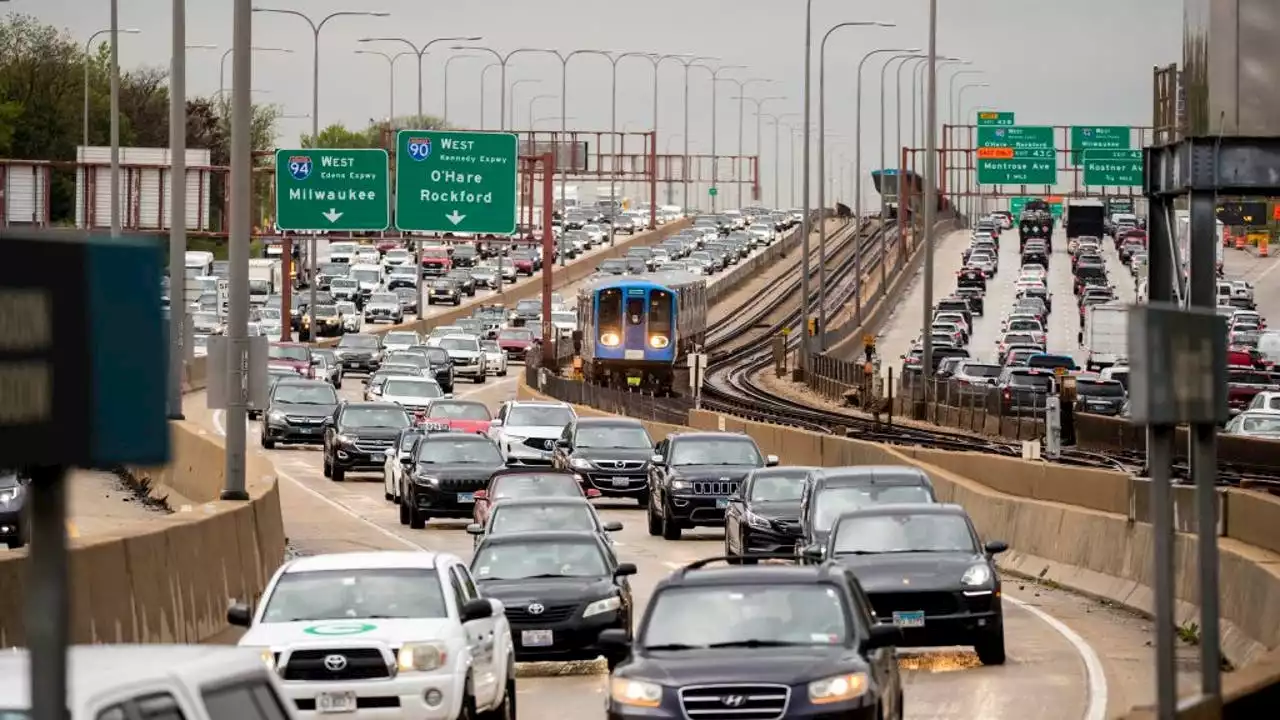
(754,643)
(673,646)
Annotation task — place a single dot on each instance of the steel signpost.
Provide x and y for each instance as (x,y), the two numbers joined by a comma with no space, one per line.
(1113,167)
(994,118)
(449,181)
(332,189)
(1099,137)
(1016,155)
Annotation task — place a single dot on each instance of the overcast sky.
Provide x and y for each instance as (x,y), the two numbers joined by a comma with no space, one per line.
(1063,63)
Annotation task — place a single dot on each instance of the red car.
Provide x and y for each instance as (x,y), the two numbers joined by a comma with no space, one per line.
(436,260)
(293,355)
(522,484)
(515,342)
(468,416)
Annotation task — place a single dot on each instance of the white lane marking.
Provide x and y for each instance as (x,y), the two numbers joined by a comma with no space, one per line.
(1094,675)
(221,429)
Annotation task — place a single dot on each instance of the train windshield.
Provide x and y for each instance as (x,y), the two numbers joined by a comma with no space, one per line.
(610,310)
(635,311)
(660,312)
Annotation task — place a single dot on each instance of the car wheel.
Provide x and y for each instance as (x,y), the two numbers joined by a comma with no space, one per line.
(268,443)
(468,711)
(655,522)
(670,530)
(338,474)
(386,495)
(417,519)
(327,469)
(404,512)
(506,710)
(643,498)
(990,646)
(502,373)
(479,379)
(16,542)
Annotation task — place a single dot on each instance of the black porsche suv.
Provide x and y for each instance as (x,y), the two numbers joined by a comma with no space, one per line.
(764,641)
(357,436)
(693,475)
(443,473)
(610,454)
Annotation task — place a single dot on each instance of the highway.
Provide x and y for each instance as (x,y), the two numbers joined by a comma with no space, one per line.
(895,339)
(1069,657)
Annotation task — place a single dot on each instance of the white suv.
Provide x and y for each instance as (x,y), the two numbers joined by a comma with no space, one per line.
(384,632)
(526,430)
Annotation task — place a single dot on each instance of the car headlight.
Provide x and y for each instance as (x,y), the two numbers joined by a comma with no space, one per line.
(268,657)
(659,341)
(10,495)
(515,439)
(428,480)
(580,464)
(976,576)
(276,417)
(838,689)
(679,485)
(600,607)
(610,339)
(421,657)
(343,440)
(636,693)
(757,521)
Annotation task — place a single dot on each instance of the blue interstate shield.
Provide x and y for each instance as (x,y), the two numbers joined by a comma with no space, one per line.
(419,148)
(300,167)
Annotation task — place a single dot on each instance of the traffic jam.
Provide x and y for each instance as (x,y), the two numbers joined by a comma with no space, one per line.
(809,576)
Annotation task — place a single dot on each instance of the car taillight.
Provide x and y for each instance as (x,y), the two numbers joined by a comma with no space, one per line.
(1007,395)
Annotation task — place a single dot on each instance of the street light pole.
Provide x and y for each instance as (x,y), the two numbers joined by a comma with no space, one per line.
(919,62)
(512,104)
(421,52)
(484,78)
(930,189)
(897,178)
(316,27)
(534,100)
(670,185)
(715,158)
(951,105)
(613,134)
(444,109)
(657,62)
(822,169)
(391,75)
(222,64)
(695,61)
(759,103)
(973,206)
(177,205)
(87,50)
(115,119)
(741,98)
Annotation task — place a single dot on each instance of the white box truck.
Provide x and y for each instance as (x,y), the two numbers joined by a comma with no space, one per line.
(1106,336)
(262,279)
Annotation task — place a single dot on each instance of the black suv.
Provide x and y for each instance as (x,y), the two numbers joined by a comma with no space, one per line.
(951,593)
(14,528)
(834,491)
(561,591)
(436,361)
(610,454)
(693,475)
(444,290)
(357,435)
(767,641)
(296,412)
(361,351)
(763,517)
(442,475)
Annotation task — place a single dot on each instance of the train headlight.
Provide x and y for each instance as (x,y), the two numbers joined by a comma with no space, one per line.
(610,339)
(659,341)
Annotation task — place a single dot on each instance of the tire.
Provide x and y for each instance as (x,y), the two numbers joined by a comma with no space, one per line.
(502,373)
(417,519)
(507,709)
(267,443)
(643,499)
(388,496)
(655,523)
(404,513)
(990,646)
(670,530)
(479,379)
(327,470)
(338,474)
(468,711)
(18,542)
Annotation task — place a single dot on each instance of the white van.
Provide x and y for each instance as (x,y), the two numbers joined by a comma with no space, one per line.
(369,276)
(343,252)
(193,682)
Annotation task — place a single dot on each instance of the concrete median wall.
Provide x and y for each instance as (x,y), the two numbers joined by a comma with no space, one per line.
(1071,526)
(169,583)
(1111,434)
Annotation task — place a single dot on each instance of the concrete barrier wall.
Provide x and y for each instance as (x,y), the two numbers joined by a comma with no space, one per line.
(1111,434)
(171,582)
(1068,525)
(532,286)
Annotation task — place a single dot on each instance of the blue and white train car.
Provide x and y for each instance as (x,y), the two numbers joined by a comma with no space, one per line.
(636,329)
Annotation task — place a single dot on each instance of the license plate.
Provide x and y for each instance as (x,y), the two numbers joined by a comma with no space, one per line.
(911,619)
(722,503)
(621,482)
(308,430)
(536,638)
(437,427)
(466,497)
(336,702)
(633,381)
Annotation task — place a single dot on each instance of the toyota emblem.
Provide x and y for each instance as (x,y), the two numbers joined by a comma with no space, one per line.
(335,663)
(536,609)
(733,701)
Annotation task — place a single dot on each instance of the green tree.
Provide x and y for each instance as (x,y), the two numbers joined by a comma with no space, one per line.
(338,136)
(377,134)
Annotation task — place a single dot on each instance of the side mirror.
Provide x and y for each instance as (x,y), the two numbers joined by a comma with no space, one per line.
(593,493)
(656,459)
(475,529)
(883,636)
(477,609)
(614,638)
(770,460)
(239,615)
(995,547)
(448,396)
(812,552)
(481,495)
(611,526)
(625,569)
(495,423)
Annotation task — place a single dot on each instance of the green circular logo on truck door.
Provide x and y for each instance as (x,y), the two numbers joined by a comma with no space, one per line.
(340,628)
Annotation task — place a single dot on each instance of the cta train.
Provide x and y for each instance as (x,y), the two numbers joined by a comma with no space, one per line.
(637,329)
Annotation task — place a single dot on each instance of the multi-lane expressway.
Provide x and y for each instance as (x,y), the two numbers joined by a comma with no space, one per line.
(1069,657)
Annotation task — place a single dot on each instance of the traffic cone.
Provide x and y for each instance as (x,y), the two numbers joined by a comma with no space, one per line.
(1263,245)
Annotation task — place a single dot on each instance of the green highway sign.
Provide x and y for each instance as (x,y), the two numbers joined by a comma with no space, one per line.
(451,181)
(992,117)
(1099,137)
(332,189)
(1113,167)
(1018,170)
(1018,137)
(1018,204)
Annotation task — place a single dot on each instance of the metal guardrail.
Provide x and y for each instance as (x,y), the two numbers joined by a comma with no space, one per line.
(636,404)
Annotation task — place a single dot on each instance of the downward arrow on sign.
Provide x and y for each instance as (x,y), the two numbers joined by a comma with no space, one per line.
(333,215)
(455,218)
